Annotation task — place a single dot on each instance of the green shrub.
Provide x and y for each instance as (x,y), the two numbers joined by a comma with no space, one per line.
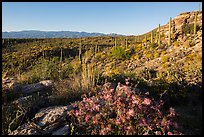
(149,56)
(163,52)
(47,69)
(164,59)
(120,53)
(176,44)
(67,70)
(156,55)
(154,45)
(165,65)
(188,28)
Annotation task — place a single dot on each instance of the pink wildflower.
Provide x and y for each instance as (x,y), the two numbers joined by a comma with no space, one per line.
(130,112)
(125,87)
(133,97)
(108,128)
(129,127)
(142,122)
(118,121)
(87,118)
(107,97)
(135,102)
(158,133)
(127,81)
(122,117)
(145,133)
(169,133)
(97,107)
(95,121)
(146,101)
(103,132)
(111,90)
(77,112)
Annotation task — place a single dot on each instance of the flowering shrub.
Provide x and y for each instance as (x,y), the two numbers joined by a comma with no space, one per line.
(121,112)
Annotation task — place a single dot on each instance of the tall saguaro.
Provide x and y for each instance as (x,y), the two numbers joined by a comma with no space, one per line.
(195,23)
(169,32)
(80,58)
(115,42)
(96,48)
(126,42)
(61,55)
(159,42)
(151,37)
(146,39)
(60,70)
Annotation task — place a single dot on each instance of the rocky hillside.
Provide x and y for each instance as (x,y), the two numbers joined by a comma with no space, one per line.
(83,67)
(184,47)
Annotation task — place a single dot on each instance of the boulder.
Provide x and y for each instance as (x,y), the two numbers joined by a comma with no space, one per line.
(22,100)
(51,120)
(29,128)
(50,115)
(32,88)
(62,131)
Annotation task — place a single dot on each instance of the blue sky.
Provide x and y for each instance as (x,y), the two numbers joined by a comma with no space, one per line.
(129,18)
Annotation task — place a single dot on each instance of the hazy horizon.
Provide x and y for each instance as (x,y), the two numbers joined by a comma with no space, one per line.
(56,31)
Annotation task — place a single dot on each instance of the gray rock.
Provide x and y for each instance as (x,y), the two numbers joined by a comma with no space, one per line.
(27,129)
(49,129)
(50,115)
(22,100)
(29,89)
(62,131)
(45,122)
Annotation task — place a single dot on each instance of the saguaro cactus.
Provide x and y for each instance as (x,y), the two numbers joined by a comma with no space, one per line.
(115,42)
(151,37)
(126,42)
(159,43)
(61,55)
(60,68)
(146,39)
(80,45)
(43,53)
(96,49)
(156,38)
(195,23)
(173,27)
(169,32)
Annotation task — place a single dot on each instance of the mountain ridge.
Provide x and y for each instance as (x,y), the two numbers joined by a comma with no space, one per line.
(52,34)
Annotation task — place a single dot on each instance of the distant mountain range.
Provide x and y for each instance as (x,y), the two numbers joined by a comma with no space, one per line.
(51,34)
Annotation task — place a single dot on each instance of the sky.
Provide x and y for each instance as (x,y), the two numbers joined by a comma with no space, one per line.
(128,18)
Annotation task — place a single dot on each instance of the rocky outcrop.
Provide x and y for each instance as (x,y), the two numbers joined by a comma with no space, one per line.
(48,121)
(180,20)
(13,90)
(10,85)
(29,89)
